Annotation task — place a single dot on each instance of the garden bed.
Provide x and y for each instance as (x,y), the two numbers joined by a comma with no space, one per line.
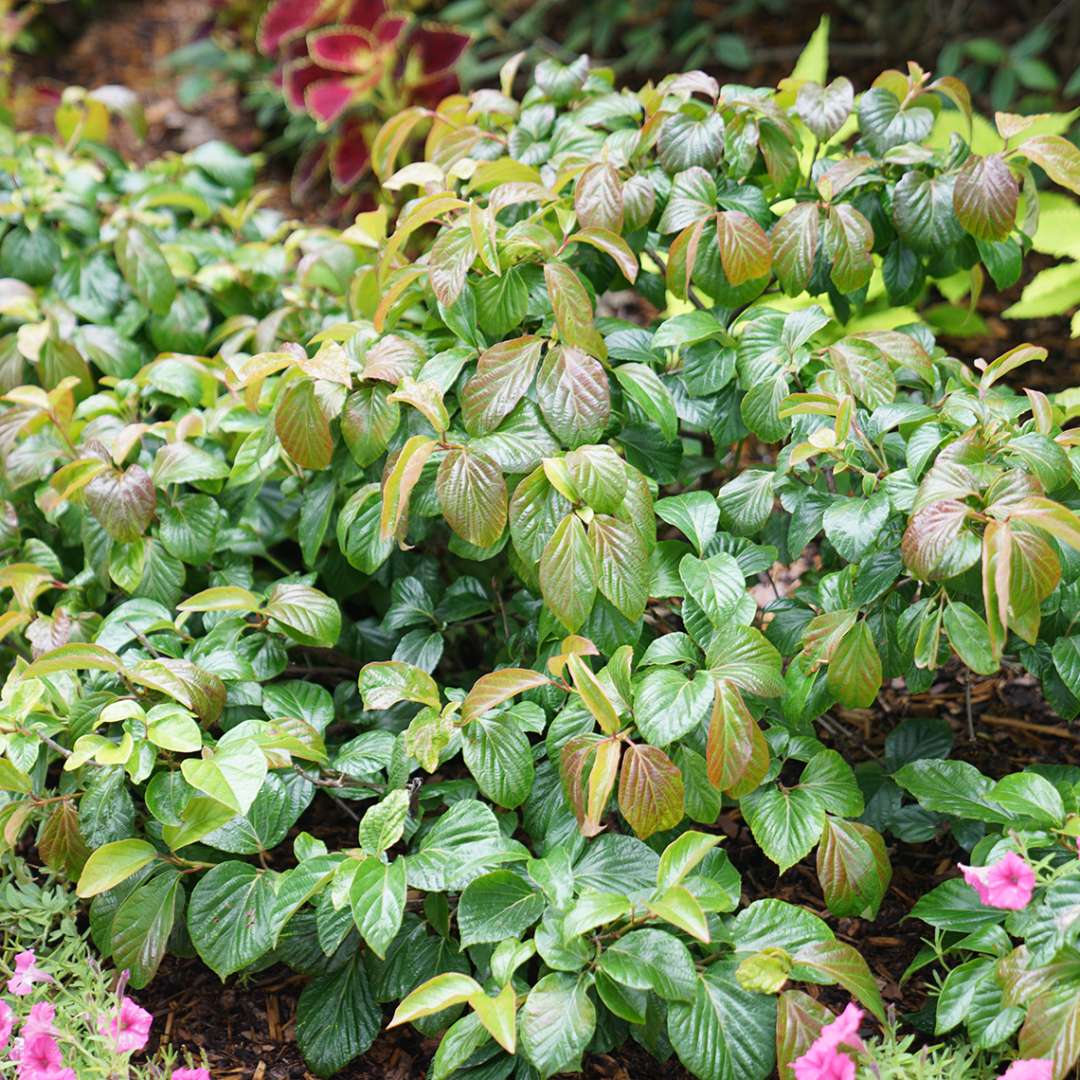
(129,42)
(247,1028)
(1000,723)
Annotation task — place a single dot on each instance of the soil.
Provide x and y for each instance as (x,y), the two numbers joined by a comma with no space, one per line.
(247,1032)
(246,1029)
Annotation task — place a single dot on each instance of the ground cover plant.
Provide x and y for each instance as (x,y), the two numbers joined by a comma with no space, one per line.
(66,1016)
(408,516)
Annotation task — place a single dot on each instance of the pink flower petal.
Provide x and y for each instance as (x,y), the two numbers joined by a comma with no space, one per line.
(844,1030)
(822,1062)
(40,1020)
(129,1028)
(1031,1069)
(40,1055)
(7,1022)
(26,974)
(1007,883)
(191,1074)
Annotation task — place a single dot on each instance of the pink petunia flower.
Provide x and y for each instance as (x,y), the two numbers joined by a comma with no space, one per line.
(844,1030)
(1007,884)
(191,1074)
(1032,1069)
(41,1059)
(129,1029)
(7,1022)
(40,1020)
(26,974)
(824,1062)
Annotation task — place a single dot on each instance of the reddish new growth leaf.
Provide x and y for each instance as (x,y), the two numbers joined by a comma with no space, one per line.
(650,790)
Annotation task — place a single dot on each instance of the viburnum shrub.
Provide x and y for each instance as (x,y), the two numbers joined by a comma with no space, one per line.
(411,516)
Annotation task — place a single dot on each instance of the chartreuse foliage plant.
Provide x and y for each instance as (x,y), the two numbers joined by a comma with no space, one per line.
(1056,290)
(402,531)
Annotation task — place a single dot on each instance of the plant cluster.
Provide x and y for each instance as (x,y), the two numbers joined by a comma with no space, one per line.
(62,1015)
(406,526)
(339,70)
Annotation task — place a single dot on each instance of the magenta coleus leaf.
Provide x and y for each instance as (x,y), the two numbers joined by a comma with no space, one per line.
(390,28)
(296,77)
(350,155)
(327,99)
(365,13)
(285,20)
(438,48)
(344,48)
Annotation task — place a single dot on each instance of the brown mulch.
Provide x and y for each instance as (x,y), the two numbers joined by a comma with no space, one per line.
(127,42)
(247,1032)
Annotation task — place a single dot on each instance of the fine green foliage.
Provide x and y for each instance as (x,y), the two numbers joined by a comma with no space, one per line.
(404,516)
(897,1057)
(39,915)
